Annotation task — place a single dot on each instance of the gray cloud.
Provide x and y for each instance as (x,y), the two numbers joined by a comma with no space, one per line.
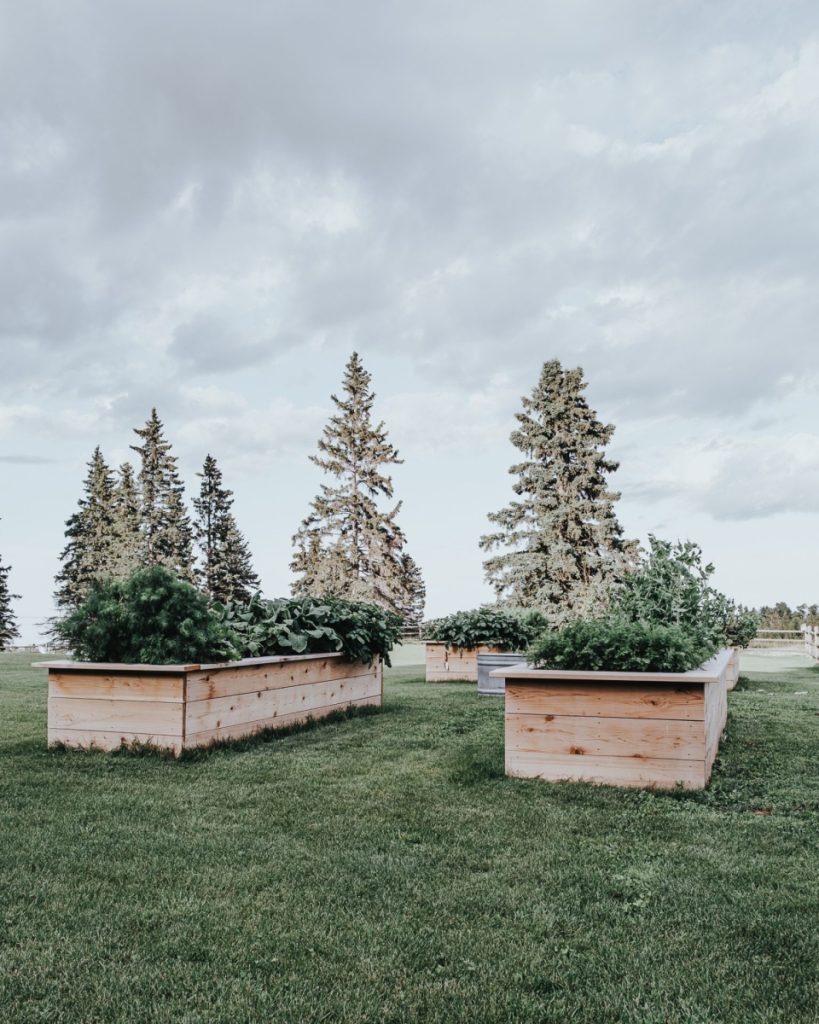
(26,460)
(629,185)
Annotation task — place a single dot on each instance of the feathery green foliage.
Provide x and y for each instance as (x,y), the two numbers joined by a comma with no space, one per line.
(672,586)
(413,586)
(493,627)
(127,523)
(91,551)
(227,572)
(8,621)
(615,646)
(560,544)
(152,618)
(310,625)
(348,546)
(167,536)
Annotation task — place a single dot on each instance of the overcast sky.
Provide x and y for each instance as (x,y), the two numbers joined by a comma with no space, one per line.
(205,207)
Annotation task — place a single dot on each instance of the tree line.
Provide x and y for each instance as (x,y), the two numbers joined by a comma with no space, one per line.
(125,521)
(781,616)
(557,546)
(349,545)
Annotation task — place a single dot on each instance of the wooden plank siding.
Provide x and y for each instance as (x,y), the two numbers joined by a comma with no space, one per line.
(445,664)
(180,707)
(612,729)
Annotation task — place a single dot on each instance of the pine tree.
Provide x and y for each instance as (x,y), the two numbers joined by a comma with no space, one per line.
(413,584)
(227,571)
(347,546)
(90,551)
(167,535)
(561,544)
(8,620)
(127,523)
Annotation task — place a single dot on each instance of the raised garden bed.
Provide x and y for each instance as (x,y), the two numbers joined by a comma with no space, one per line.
(446,663)
(732,670)
(177,707)
(648,729)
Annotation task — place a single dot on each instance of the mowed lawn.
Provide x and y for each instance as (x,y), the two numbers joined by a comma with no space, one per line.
(381,868)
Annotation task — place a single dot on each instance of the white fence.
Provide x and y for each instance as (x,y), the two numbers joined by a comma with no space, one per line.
(779,639)
(811,639)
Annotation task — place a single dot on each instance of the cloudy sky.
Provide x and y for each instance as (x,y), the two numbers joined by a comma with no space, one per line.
(205,207)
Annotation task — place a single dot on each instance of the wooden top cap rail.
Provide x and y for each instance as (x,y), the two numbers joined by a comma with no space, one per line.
(101,666)
(711,672)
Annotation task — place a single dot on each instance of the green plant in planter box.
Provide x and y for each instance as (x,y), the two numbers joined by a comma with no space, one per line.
(492,627)
(672,587)
(150,618)
(619,646)
(311,625)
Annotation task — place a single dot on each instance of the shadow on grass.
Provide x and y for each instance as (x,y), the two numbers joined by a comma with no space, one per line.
(137,749)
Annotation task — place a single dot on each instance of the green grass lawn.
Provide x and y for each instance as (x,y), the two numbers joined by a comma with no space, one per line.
(381,868)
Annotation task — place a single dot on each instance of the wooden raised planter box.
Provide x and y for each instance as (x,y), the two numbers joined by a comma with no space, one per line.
(447,664)
(649,729)
(177,707)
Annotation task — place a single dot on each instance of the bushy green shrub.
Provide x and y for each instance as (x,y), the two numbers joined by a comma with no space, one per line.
(310,625)
(619,646)
(151,618)
(494,627)
(671,587)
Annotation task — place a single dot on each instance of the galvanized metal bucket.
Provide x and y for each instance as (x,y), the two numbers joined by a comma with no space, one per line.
(487,663)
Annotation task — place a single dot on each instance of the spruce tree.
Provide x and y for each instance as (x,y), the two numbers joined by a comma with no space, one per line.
(90,551)
(8,620)
(560,544)
(227,571)
(127,523)
(347,545)
(167,535)
(414,587)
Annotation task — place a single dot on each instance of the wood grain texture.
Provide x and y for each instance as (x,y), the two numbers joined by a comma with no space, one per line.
(647,773)
(732,671)
(97,685)
(454,664)
(224,732)
(614,737)
(86,739)
(176,711)
(716,714)
(617,728)
(621,700)
(232,681)
(205,715)
(138,716)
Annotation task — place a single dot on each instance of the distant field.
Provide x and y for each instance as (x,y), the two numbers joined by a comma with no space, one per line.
(409,653)
(382,869)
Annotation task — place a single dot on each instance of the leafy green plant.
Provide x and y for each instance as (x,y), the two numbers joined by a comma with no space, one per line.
(671,587)
(310,625)
(494,627)
(151,618)
(609,645)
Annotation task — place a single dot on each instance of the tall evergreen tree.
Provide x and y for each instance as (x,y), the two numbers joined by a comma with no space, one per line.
(415,588)
(8,620)
(90,551)
(227,571)
(167,535)
(560,543)
(127,523)
(347,545)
